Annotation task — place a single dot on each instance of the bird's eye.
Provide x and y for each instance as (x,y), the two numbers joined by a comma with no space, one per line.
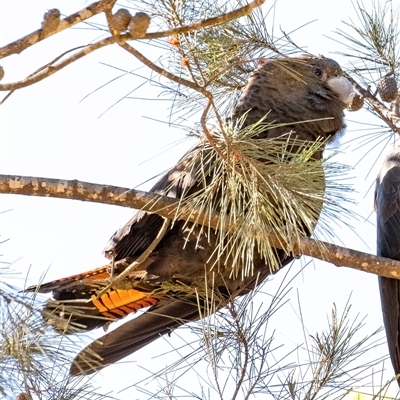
(317,71)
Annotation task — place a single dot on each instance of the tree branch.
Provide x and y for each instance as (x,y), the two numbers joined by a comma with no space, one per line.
(35,37)
(167,207)
(185,82)
(386,115)
(103,6)
(163,72)
(52,68)
(220,19)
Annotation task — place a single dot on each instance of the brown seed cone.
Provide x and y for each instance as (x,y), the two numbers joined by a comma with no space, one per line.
(387,88)
(121,20)
(357,103)
(139,24)
(51,20)
(22,396)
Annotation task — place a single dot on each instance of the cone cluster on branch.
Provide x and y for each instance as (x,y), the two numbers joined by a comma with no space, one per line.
(387,88)
(51,20)
(139,24)
(136,24)
(121,20)
(356,103)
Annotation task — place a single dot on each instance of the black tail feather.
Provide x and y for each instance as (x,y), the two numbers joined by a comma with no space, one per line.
(134,335)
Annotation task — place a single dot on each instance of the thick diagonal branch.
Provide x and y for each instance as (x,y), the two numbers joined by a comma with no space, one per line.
(167,208)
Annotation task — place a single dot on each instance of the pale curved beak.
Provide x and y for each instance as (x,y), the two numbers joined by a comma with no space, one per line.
(343,88)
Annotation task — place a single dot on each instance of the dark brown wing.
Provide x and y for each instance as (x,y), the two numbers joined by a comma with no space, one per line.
(74,304)
(134,237)
(387,204)
(139,232)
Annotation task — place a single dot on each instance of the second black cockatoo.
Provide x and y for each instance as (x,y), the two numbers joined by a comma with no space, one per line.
(387,207)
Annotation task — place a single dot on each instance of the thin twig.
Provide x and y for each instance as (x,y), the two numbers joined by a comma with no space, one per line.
(168,207)
(207,134)
(51,69)
(44,67)
(162,71)
(221,19)
(181,81)
(241,339)
(178,16)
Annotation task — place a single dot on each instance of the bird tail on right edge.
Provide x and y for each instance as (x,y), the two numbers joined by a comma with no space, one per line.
(390,299)
(133,335)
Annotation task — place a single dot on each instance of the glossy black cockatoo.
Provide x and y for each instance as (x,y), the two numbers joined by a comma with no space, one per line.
(304,98)
(387,207)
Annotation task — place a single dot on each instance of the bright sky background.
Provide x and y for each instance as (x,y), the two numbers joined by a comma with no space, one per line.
(51,130)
